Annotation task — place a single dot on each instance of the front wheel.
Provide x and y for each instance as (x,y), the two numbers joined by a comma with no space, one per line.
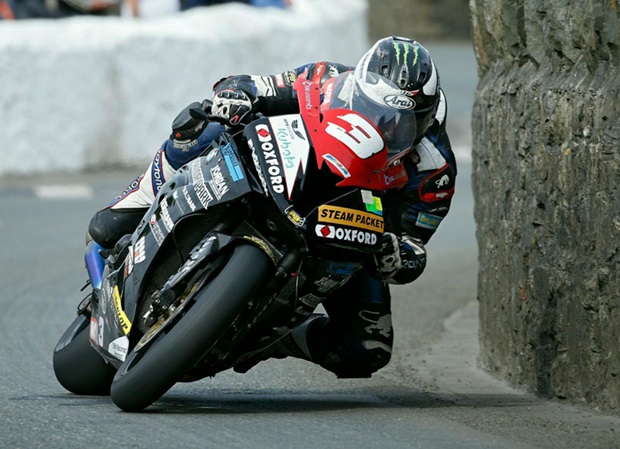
(148,372)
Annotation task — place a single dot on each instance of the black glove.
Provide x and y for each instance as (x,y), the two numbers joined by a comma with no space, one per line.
(186,129)
(233,105)
(400,260)
(388,259)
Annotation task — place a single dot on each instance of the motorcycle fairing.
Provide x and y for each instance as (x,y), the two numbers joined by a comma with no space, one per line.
(200,186)
(352,221)
(280,149)
(109,325)
(348,142)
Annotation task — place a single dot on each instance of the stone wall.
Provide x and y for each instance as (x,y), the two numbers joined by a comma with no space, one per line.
(546,177)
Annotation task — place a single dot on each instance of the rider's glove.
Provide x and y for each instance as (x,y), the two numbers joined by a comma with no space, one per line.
(388,257)
(233,105)
(186,129)
(400,260)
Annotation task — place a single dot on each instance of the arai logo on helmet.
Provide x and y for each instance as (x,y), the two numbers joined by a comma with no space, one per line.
(399,102)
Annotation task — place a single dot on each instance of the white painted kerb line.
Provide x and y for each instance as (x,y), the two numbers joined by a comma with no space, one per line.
(63,191)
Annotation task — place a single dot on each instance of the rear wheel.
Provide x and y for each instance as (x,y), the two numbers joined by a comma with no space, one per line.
(78,366)
(150,371)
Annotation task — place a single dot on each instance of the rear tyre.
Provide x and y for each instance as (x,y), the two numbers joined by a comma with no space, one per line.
(150,371)
(78,366)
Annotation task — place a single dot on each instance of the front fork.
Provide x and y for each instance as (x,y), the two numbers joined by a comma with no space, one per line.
(94,263)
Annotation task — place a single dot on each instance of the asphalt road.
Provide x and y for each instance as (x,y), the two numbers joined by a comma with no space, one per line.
(432,395)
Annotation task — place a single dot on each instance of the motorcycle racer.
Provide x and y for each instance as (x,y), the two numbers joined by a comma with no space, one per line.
(356,336)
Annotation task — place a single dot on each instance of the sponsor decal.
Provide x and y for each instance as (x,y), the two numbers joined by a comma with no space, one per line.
(188,199)
(294,151)
(196,172)
(337,165)
(443,181)
(218,183)
(118,348)
(333,70)
(139,254)
(129,262)
(438,185)
(165,215)
(232,163)
(290,77)
(271,159)
(199,184)
(211,155)
(259,169)
(328,90)
(157,172)
(390,179)
(203,194)
(401,102)
(414,264)
(346,235)
(307,94)
(295,218)
(350,217)
(123,321)
(158,234)
(372,203)
(428,221)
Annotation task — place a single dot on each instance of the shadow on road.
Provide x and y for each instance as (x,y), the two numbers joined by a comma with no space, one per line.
(277,401)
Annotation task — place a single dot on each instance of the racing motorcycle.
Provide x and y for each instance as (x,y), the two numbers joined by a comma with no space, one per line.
(241,244)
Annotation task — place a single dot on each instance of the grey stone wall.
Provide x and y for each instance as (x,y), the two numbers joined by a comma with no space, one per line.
(423,20)
(546,177)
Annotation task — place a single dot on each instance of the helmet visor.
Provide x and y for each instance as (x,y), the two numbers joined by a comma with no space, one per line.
(381,102)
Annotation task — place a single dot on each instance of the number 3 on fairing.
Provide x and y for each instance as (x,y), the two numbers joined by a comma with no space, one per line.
(363,139)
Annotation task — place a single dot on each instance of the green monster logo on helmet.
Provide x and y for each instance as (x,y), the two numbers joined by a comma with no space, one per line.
(406,52)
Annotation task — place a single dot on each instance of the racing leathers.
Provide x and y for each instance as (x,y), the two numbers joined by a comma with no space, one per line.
(355,338)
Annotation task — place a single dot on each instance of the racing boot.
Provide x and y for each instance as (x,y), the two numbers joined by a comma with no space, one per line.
(293,344)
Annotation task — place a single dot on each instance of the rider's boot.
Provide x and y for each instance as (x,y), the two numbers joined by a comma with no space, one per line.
(293,344)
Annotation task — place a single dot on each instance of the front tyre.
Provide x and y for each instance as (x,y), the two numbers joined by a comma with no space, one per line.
(150,371)
(78,366)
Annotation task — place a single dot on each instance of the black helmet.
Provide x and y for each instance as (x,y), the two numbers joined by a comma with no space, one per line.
(409,65)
